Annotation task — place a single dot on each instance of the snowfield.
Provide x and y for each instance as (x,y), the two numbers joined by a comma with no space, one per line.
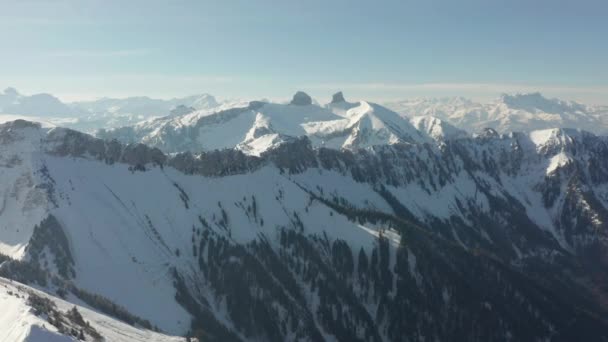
(18,322)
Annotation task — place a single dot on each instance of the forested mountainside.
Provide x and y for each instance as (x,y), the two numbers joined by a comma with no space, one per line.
(496,237)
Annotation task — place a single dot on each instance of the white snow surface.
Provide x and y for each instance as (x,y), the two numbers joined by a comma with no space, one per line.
(18,323)
(255,130)
(128,225)
(436,128)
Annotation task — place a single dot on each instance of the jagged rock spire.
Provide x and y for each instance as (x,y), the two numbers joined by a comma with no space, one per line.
(338,98)
(301,99)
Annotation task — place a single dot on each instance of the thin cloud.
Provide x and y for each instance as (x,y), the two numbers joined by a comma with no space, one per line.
(485,87)
(89,87)
(156,78)
(384,91)
(98,53)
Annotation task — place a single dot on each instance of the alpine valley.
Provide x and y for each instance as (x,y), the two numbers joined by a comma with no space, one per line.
(259,221)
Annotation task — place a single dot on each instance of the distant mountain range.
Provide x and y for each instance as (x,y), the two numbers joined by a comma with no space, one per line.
(89,116)
(241,221)
(509,113)
(259,126)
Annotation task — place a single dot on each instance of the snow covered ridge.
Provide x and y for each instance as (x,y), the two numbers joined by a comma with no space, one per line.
(509,113)
(313,243)
(290,152)
(261,126)
(30,315)
(519,112)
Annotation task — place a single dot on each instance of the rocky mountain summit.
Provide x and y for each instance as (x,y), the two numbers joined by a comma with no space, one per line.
(301,99)
(337,98)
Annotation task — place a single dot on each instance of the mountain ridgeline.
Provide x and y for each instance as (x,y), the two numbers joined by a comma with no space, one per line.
(336,223)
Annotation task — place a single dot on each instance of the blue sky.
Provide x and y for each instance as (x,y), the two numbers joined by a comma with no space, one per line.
(378,50)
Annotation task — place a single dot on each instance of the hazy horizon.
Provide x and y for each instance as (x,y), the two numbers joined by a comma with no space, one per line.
(378,51)
(325,96)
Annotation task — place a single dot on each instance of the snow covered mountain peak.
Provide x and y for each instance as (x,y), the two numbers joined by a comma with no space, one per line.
(563,139)
(202,101)
(509,113)
(259,126)
(373,124)
(536,102)
(436,128)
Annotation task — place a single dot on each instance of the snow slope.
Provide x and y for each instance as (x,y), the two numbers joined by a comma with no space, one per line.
(136,221)
(437,129)
(22,204)
(129,225)
(19,323)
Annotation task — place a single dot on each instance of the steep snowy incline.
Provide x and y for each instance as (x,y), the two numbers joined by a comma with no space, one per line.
(437,129)
(27,314)
(138,226)
(23,203)
(239,247)
(373,125)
